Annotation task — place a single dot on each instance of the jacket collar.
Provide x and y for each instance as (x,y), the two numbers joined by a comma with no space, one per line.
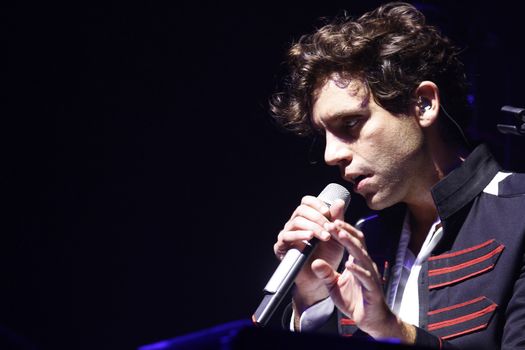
(464,183)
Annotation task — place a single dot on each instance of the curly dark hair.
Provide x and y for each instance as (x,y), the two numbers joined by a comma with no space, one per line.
(390,49)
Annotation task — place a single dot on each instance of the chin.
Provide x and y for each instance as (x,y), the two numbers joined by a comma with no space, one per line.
(375,206)
(376,202)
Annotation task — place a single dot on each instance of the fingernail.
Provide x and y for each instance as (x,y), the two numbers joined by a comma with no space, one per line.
(325,235)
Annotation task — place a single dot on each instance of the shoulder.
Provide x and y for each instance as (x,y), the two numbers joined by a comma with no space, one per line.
(506,184)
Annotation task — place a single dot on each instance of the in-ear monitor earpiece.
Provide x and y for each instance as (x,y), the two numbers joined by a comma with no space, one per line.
(424,104)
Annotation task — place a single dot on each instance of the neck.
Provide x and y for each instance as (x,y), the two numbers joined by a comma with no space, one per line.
(422,210)
(446,159)
(422,215)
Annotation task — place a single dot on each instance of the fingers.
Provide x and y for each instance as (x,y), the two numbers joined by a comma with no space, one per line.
(306,222)
(326,273)
(310,215)
(337,210)
(359,263)
(356,248)
(363,275)
(342,226)
(317,204)
(333,282)
(291,239)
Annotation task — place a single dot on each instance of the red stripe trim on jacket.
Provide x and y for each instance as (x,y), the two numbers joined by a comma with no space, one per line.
(466,264)
(461,278)
(452,307)
(470,330)
(463,251)
(347,322)
(454,321)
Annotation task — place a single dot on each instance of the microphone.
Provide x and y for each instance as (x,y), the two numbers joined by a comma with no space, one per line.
(284,276)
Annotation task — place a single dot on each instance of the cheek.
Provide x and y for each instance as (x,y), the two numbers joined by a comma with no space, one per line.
(392,148)
(388,145)
(405,139)
(382,143)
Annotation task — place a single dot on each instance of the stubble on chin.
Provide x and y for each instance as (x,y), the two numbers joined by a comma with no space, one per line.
(380,199)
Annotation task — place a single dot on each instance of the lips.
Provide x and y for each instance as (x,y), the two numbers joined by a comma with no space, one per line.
(358,182)
(361,183)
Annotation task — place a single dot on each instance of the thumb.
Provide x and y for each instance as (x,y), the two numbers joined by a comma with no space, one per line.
(326,273)
(337,210)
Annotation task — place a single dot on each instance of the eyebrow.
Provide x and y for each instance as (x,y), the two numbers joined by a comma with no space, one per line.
(365,102)
(344,113)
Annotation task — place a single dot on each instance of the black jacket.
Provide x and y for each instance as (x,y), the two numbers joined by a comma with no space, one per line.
(472,288)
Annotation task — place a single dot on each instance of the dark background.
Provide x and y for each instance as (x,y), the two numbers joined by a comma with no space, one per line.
(143,183)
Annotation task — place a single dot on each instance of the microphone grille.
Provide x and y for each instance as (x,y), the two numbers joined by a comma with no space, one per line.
(335,191)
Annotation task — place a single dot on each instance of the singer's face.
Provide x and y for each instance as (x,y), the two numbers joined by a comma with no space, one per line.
(381,154)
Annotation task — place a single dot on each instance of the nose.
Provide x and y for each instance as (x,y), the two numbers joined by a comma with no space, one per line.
(336,151)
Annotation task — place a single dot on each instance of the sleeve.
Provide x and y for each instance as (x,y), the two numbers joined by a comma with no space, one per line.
(428,340)
(314,317)
(513,335)
(320,317)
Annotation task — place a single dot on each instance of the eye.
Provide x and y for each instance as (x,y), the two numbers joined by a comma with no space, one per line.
(351,123)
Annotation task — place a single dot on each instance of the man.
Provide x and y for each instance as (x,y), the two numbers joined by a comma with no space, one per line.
(442,262)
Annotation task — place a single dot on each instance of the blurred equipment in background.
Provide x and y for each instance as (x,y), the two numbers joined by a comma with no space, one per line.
(517,123)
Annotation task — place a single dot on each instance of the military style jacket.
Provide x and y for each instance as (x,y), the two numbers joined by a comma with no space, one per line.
(472,287)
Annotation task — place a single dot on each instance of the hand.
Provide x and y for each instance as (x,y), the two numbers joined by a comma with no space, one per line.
(305,223)
(358,291)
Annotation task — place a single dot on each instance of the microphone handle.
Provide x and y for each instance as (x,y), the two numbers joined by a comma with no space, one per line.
(294,259)
(281,282)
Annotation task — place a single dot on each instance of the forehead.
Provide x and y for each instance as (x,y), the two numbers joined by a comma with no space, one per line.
(337,95)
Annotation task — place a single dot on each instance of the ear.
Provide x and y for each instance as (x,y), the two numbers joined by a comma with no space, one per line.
(427,106)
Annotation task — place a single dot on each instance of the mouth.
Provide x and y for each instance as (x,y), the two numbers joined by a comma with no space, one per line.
(356,180)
